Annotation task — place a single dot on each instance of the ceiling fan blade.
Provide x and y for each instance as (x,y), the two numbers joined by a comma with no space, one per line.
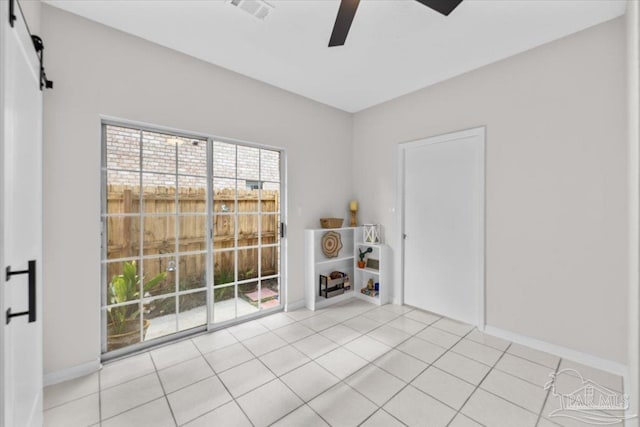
(346,12)
(445,7)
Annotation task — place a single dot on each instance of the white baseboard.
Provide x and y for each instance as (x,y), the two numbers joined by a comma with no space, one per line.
(563,352)
(574,355)
(294,305)
(72,372)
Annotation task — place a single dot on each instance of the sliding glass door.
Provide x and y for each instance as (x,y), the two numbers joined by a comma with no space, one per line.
(190,233)
(246,241)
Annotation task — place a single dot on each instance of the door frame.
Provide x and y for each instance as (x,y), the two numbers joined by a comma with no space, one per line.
(105,120)
(401,151)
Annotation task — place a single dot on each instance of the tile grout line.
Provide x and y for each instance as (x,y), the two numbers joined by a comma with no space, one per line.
(494,367)
(313,360)
(340,381)
(432,364)
(233,399)
(100,397)
(408,383)
(72,400)
(164,392)
(277,377)
(133,407)
(546,397)
(478,386)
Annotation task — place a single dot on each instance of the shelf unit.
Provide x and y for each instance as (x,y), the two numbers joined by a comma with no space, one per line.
(381,275)
(316,264)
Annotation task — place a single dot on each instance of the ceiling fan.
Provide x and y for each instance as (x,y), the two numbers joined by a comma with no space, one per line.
(348,8)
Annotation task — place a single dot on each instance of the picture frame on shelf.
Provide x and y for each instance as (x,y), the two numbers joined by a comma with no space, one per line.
(373,263)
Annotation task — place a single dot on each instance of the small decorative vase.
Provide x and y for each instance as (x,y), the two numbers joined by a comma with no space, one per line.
(361,264)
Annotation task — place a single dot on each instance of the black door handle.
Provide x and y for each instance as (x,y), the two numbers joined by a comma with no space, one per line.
(31,272)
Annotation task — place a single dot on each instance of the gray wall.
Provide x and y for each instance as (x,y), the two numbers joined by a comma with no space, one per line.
(556,195)
(98,70)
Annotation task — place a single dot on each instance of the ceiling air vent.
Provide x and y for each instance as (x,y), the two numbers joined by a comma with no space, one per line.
(256,8)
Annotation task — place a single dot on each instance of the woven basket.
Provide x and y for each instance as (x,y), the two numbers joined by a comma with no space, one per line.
(331,222)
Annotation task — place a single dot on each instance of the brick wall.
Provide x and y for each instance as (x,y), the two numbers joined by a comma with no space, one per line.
(161,154)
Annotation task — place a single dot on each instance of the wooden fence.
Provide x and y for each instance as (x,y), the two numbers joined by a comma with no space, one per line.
(123,232)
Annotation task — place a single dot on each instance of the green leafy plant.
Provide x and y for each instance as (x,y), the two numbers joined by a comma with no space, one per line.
(126,287)
(223,277)
(249,274)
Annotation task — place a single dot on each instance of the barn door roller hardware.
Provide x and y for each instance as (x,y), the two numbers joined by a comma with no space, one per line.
(39,46)
(12,12)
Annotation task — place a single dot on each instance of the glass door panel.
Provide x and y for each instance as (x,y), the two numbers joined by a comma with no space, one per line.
(159,317)
(156,235)
(192,310)
(191,234)
(246,224)
(224,303)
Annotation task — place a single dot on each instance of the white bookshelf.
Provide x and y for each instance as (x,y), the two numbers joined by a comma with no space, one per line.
(316,264)
(381,275)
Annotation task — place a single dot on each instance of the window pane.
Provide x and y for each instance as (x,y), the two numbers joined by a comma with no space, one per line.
(193,232)
(270,292)
(193,271)
(192,158)
(224,195)
(247,263)
(122,286)
(224,267)
(159,276)
(192,194)
(224,160)
(123,148)
(159,152)
(160,317)
(270,228)
(123,192)
(248,162)
(123,326)
(247,230)
(248,295)
(247,198)
(193,310)
(270,260)
(224,303)
(223,231)
(123,236)
(270,165)
(159,235)
(159,192)
(270,200)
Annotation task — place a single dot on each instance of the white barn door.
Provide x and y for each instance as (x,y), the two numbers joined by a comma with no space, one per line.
(20,224)
(443,211)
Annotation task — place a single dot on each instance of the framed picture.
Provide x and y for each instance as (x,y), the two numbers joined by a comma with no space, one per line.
(373,264)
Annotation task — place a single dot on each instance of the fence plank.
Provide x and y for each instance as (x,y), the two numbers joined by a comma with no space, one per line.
(160,231)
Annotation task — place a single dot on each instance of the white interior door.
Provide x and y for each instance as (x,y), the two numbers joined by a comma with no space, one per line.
(20,224)
(444,225)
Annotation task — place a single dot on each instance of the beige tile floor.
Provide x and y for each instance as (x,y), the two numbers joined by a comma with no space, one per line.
(348,365)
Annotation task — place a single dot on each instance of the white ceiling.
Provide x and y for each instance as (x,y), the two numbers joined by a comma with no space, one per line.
(394,46)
